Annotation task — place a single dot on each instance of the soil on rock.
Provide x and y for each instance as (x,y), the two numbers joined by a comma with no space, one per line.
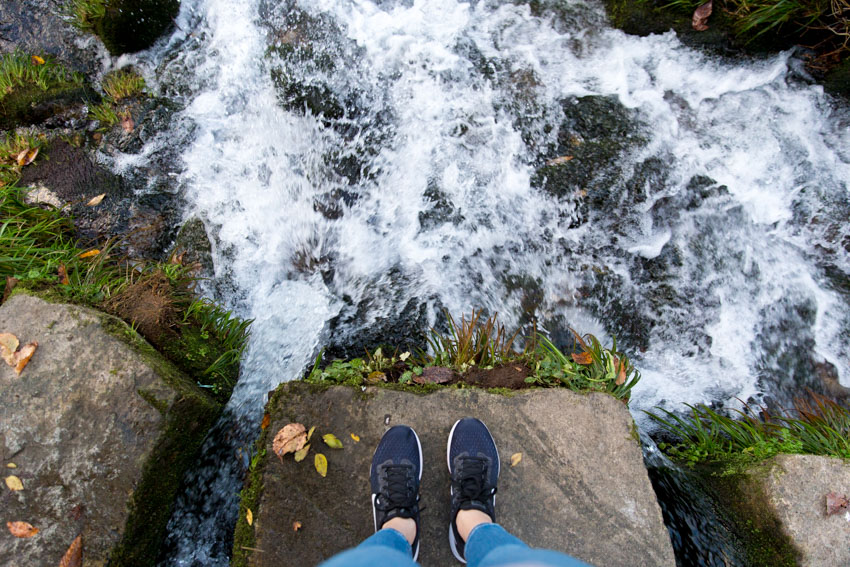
(580,487)
(100,433)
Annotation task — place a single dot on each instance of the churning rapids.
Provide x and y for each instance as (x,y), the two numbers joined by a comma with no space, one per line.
(363,165)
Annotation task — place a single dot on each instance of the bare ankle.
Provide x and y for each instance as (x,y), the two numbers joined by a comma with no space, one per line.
(467,520)
(405,526)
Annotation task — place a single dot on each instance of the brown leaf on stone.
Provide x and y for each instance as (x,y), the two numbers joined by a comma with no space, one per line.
(26,157)
(701,14)
(23,356)
(296,525)
(63,275)
(21,529)
(289,439)
(835,504)
(267,419)
(74,556)
(435,375)
(8,345)
(583,358)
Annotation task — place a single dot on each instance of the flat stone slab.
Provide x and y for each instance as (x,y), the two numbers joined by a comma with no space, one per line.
(100,430)
(796,487)
(581,486)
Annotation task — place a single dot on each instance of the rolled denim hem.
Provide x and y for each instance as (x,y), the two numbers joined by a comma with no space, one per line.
(384,548)
(485,538)
(388,537)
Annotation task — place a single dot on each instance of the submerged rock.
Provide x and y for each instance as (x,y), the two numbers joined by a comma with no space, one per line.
(100,429)
(581,486)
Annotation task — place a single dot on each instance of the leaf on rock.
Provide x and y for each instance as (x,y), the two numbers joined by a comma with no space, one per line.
(36,60)
(289,439)
(301,453)
(14,483)
(559,160)
(583,358)
(8,345)
(435,375)
(23,356)
(296,525)
(515,459)
(21,529)
(331,441)
(11,466)
(74,556)
(26,157)
(701,14)
(95,201)
(249,517)
(310,433)
(321,463)
(89,254)
(267,419)
(356,438)
(835,504)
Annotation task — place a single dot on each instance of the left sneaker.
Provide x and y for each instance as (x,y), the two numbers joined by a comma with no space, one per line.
(395,474)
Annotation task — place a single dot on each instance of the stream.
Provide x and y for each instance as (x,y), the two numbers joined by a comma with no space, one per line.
(362,166)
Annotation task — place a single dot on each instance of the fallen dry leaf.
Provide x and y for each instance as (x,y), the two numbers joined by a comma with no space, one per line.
(127,123)
(267,419)
(835,504)
(701,14)
(582,357)
(289,439)
(89,254)
(435,375)
(74,556)
(23,356)
(331,441)
(21,529)
(296,526)
(621,373)
(515,459)
(26,157)
(8,345)
(11,466)
(95,201)
(321,463)
(356,438)
(249,517)
(14,483)
(36,60)
(63,275)
(301,453)
(559,160)
(376,376)
(310,432)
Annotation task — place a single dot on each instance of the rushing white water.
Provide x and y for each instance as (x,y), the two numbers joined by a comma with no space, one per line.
(449,108)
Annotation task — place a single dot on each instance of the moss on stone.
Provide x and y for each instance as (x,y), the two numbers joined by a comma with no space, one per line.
(159,405)
(244,536)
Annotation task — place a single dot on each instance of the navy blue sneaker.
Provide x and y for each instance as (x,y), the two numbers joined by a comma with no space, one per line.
(395,474)
(474,469)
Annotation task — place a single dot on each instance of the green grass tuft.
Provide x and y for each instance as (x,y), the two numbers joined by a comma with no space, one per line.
(21,71)
(122,84)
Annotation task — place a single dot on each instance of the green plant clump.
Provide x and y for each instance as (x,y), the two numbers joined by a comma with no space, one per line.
(19,71)
(38,249)
(482,344)
(818,426)
(118,86)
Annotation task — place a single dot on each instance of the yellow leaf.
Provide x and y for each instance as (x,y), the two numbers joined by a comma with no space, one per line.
(289,439)
(21,529)
(310,433)
(36,60)
(301,453)
(23,356)
(267,419)
(376,376)
(90,253)
(74,556)
(331,441)
(249,517)
(11,466)
(356,438)
(515,459)
(95,201)
(296,525)
(8,345)
(321,463)
(14,483)
(404,356)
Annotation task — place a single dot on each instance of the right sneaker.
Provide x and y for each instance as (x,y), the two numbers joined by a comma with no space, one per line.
(474,470)
(395,475)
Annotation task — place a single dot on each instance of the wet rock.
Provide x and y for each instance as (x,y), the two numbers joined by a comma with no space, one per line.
(794,489)
(101,429)
(193,248)
(144,223)
(581,465)
(837,81)
(132,25)
(439,208)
